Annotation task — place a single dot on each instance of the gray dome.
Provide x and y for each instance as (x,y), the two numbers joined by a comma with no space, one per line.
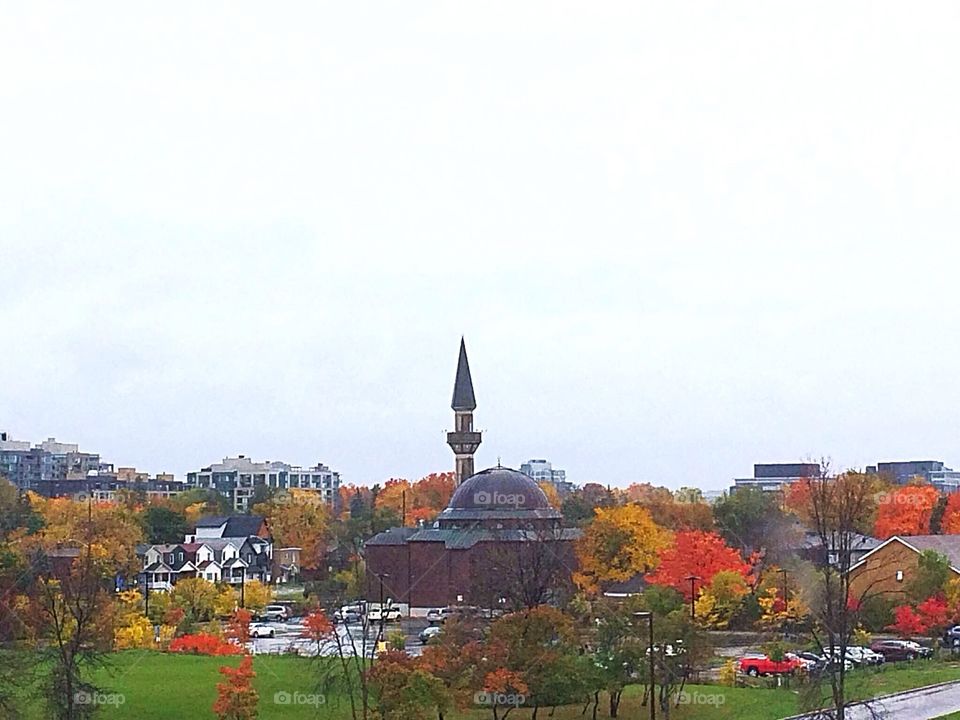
(499,488)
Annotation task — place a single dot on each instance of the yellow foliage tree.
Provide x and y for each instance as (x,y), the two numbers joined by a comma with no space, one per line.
(298,518)
(620,542)
(225,602)
(721,599)
(256,595)
(550,490)
(196,597)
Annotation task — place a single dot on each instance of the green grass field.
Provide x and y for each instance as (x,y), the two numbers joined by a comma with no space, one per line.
(157,686)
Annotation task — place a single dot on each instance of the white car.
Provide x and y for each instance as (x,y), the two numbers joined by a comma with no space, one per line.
(429,632)
(275,612)
(261,630)
(390,614)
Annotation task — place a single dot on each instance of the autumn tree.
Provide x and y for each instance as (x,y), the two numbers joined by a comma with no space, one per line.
(196,597)
(405,689)
(236,698)
(837,506)
(906,510)
(950,524)
(721,598)
(238,627)
(667,511)
(256,595)
(550,490)
(299,518)
(696,553)
(618,544)
(541,647)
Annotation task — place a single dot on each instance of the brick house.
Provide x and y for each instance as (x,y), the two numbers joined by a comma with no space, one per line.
(889,567)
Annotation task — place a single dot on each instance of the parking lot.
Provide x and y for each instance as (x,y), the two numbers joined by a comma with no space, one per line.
(288,637)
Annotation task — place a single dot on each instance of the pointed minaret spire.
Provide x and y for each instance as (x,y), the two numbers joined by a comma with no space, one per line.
(463,440)
(463,398)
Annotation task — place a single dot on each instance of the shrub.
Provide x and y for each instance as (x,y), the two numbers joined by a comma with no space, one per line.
(204,644)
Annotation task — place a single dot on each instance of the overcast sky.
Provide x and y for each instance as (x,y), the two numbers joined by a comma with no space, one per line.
(680,238)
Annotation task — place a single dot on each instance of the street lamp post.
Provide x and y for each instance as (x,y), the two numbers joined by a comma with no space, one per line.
(380,577)
(653,685)
(693,582)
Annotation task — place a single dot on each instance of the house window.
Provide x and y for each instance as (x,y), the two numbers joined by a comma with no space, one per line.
(899,575)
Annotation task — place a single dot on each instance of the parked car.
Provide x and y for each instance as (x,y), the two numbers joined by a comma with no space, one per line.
(429,632)
(275,613)
(435,615)
(260,630)
(900,649)
(759,664)
(858,655)
(390,614)
(951,637)
(806,663)
(349,614)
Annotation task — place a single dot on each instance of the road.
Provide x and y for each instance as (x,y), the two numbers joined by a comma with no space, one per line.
(921,704)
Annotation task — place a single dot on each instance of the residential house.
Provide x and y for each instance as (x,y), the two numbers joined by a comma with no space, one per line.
(889,567)
(231,549)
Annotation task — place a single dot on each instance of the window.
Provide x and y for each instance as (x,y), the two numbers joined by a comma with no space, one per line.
(899,575)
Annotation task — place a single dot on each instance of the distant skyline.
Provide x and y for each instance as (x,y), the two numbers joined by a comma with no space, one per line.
(679,240)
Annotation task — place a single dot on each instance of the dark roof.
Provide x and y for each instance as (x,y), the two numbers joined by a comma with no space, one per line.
(393,536)
(463,398)
(498,489)
(948,545)
(236,525)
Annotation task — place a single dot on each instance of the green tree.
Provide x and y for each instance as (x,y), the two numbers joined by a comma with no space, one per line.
(933,572)
(163,525)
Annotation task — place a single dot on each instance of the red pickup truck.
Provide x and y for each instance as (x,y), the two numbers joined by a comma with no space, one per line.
(759,664)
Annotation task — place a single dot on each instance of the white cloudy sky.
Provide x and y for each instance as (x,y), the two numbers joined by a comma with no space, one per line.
(679,237)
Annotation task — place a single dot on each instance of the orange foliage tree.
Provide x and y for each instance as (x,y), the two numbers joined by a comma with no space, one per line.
(699,553)
(424,498)
(236,698)
(950,525)
(905,511)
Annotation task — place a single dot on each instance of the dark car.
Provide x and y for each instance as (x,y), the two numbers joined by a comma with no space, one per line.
(900,650)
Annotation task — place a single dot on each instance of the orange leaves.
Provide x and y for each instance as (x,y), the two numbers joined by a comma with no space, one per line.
(698,553)
(236,698)
(238,627)
(424,498)
(204,644)
(905,511)
(950,525)
(317,626)
(505,681)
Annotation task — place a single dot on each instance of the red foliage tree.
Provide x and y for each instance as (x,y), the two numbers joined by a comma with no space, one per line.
(950,525)
(929,617)
(238,627)
(204,644)
(317,627)
(694,552)
(236,698)
(906,622)
(906,511)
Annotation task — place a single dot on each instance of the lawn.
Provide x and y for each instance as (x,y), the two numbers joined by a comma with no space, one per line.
(158,686)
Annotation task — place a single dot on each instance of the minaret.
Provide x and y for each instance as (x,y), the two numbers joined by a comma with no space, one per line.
(463,440)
